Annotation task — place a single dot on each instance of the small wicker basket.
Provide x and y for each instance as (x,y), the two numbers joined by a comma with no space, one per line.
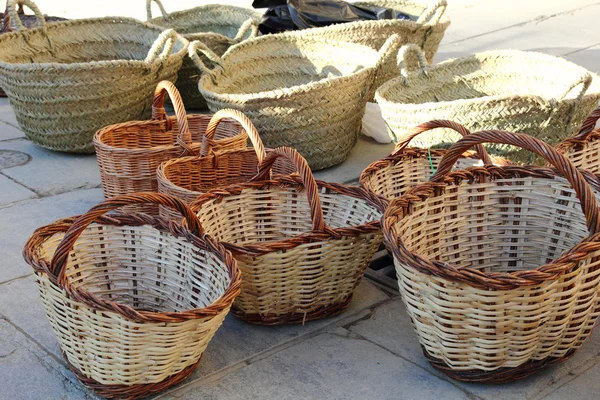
(583,149)
(132,320)
(498,267)
(129,153)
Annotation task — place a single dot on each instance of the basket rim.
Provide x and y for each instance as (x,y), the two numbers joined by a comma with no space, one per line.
(109,21)
(295,181)
(444,19)
(402,206)
(205,243)
(578,143)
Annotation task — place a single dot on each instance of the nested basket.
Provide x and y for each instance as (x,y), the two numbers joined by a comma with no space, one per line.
(129,153)
(68,79)
(538,94)
(219,26)
(583,149)
(301,260)
(189,177)
(301,92)
(132,320)
(499,267)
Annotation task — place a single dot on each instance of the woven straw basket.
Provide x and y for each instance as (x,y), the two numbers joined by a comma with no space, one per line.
(132,319)
(68,79)
(495,265)
(541,95)
(583,149)
(189,177)
(305,93)
(301,260)
(218,26)
(129,153)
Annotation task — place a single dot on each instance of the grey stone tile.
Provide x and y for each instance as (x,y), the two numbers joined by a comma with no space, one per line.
(18,221)
(584,387)
(11,192)
(6,113)
(9,132)
(588,58)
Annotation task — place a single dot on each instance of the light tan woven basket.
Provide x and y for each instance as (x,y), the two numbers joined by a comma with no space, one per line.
(305,93)
(301,260)
(129,153)
(189,177)
(498,267)
(538,94)
(132,320)
(219,26)
(68,79)
(583,149)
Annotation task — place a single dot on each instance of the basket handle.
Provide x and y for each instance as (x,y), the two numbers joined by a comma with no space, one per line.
(386,50)
(438,9)
(57,265)
(411,59)
(184,139)
(589,204)
(240,118)
(427,126)
(585,80)
(162,46)
(250,25)
(308,180)
(16,18)
(587,127)
(164,13)
(193,49)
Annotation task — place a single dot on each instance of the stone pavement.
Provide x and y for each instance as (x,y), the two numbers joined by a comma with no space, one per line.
(368,352)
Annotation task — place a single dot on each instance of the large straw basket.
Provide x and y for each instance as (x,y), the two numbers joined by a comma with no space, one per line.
(218,26)
(301,260)
(538,94)
(496,267)
(132,319)
(129,153)
(305,93)
(189,177)
(583,149)
(68,79)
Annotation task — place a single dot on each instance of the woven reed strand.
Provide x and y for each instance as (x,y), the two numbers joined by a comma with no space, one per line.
(583,149)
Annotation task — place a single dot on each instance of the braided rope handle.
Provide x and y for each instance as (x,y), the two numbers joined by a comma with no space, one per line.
(240,118)
(411,59)
(436,9)
(184,138)
(427,126)
(193,49)
(386,51)
(308,181)
(61,255)
(14,14)
(251,25)
(162,46)
(164,13)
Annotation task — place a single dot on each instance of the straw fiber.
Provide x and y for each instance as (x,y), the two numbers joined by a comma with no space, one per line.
(583,149)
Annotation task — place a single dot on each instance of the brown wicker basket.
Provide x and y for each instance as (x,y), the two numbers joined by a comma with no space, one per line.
(498,267)
(132,320)
(129,153)
(301,260)
(189,177)
(583,149)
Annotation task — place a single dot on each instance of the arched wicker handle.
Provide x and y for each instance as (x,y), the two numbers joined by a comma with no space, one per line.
(162,46)
(589,204)
(250,25)
(11,7)
(436,10)
(411,59)
(410,135)
(584,132)
(184,139)
(59,260)
(240,118)
(308,180)
(193,49)
(164,13)
(387,50)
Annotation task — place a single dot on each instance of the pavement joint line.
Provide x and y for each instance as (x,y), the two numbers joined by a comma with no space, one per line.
(580,50)
(567,377)
(19,183)
(11,124)
(43,196)
(16,279)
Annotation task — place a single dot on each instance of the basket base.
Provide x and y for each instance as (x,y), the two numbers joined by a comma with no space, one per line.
(500,375)
(293,317)
(131,391)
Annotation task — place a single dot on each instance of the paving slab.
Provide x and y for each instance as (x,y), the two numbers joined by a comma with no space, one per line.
(6,113)
(583,387)
(11,192)
(8,132)
(588,58)
(21,219)
(332,365)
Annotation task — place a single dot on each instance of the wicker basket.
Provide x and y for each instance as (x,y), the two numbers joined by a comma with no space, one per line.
(189,177)
(301,260)
(216,25)
(68,79)
(541,95)
(583,149)
(305,93)
(129,153)
(132,319)
(496,267)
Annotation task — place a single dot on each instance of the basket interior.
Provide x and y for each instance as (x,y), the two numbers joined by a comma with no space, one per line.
(143,268)
(73,42)
(278,213)
(504,225)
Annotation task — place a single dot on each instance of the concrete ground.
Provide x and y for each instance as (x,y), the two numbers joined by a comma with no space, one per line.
(368,352)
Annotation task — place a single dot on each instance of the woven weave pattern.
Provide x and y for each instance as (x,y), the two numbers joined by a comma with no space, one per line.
(305,93)
(583,149)
(219,26)
(541,95)
(68,79)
